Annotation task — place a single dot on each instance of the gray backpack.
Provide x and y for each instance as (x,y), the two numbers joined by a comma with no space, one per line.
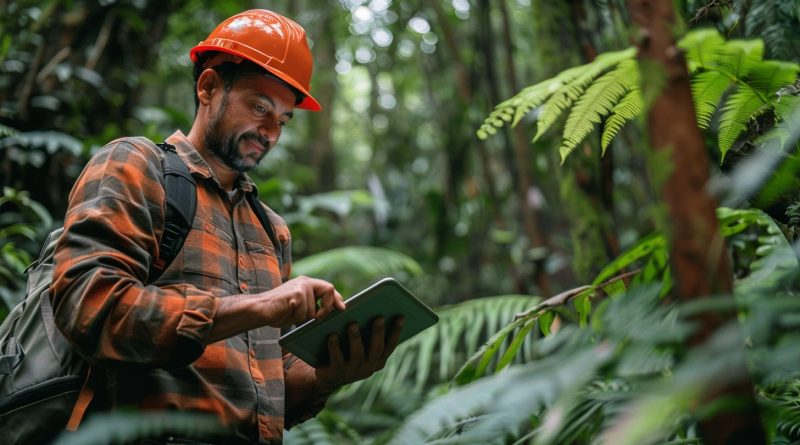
(45,385)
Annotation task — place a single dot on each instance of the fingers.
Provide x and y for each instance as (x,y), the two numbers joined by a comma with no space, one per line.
(394,336)
(330,300)
(376,340)
(335,351)
(338,301)
(356,343)
(296,301)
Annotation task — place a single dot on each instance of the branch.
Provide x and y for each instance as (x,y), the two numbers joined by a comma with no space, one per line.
(102,40)
(565,297)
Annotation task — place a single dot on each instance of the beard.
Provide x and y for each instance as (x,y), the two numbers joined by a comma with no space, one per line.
(226,147)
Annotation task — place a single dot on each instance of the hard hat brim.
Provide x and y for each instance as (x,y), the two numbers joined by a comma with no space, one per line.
(308,102)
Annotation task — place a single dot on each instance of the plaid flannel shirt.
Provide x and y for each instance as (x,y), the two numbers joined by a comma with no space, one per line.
(152,334)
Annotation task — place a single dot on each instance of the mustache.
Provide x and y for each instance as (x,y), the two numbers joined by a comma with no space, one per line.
(254,136)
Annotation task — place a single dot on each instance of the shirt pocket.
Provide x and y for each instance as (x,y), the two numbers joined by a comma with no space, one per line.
(265,265)
(208,257)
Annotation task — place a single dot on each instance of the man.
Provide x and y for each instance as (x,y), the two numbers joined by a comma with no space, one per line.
(203,336)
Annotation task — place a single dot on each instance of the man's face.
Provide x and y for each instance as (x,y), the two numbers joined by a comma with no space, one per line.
(248,121)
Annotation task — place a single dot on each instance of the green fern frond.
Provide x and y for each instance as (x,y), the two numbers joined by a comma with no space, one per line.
(511,397)
(744,104)
(596,102)
(707,90)
(738,57)
(327,428)
(7,131)
(629,108)
(565,96)
(771,75)
(436,355)
(699,46)
(531,97)
(514,109)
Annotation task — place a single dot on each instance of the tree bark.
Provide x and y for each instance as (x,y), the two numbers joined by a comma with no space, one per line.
(698,256)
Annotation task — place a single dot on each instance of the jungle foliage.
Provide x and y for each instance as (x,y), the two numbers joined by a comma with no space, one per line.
(729,76)
(545,252)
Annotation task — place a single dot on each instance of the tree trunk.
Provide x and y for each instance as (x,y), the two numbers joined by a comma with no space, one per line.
(698,256)
(322,157)
(521,148)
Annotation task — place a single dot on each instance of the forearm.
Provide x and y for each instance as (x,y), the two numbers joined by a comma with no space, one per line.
(291,303)
(237,314)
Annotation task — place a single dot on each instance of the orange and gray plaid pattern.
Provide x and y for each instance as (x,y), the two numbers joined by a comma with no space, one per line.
(152,335)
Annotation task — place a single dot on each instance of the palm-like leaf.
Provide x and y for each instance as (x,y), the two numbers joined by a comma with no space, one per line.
(435,355)
(511,397)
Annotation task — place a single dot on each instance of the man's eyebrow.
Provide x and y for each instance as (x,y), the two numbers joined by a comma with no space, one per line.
(289,114)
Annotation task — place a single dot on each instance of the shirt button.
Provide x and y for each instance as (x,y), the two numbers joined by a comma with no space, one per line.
(243,287)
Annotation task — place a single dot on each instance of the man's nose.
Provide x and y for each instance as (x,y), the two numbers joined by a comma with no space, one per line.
(270,131)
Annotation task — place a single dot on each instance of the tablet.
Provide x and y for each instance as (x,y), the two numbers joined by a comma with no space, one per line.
(387,297)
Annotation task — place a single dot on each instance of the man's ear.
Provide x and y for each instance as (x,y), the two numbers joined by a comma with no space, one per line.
(208,83)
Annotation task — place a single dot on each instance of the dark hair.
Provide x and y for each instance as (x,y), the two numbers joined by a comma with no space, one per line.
(231,72)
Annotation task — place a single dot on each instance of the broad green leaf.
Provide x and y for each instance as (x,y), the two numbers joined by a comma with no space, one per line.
(642,249)
(584,306)
(519,338)
(545,321)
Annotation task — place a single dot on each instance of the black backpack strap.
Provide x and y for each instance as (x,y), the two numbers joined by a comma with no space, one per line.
(180,190)
(258,208)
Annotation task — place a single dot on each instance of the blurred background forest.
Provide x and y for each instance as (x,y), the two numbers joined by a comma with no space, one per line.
(483,212)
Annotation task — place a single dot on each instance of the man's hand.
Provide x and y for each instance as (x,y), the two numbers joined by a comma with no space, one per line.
(361,362)
(295,301)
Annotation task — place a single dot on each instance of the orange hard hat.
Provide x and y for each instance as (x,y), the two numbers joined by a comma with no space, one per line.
(269,40)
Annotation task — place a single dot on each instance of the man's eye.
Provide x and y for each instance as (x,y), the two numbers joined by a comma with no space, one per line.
(260,109)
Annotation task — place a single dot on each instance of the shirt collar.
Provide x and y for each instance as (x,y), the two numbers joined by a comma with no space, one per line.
(198,166)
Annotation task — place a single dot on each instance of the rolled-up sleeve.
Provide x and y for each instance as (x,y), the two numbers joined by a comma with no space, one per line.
(100,297)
